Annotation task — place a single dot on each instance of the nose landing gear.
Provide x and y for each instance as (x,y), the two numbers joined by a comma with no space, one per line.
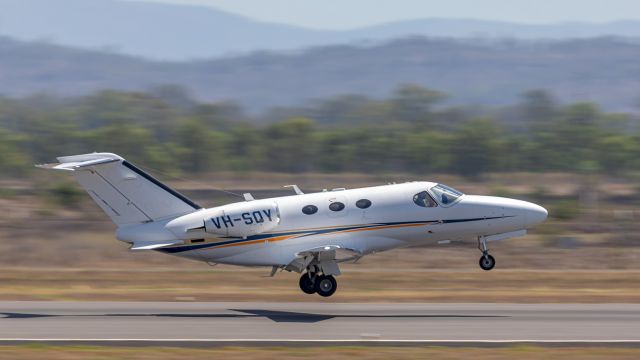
(487,262)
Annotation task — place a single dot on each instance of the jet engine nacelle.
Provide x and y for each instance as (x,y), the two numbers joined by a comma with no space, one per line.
(237,220)
(243,219)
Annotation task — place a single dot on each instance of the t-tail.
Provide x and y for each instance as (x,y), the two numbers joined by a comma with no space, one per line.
(124,192)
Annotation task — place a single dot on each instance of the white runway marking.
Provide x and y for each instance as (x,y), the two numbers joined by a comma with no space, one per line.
(409,341)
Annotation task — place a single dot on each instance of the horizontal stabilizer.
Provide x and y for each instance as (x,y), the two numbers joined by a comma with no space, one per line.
(72,163)
(150,245)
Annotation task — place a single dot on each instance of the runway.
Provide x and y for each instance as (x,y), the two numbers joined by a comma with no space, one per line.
(246,322)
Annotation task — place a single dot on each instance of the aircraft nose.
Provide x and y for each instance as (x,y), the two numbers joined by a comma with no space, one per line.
(534,214)
(509,213)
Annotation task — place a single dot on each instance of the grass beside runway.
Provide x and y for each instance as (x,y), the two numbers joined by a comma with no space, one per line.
(366,285)
(528,352)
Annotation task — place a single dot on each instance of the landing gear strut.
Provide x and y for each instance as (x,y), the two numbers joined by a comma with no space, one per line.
(487,262)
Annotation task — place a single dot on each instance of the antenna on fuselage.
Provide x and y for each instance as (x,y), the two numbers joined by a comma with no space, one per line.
(295,188)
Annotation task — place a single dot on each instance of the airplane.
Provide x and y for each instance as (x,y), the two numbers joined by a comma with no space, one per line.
(310,234)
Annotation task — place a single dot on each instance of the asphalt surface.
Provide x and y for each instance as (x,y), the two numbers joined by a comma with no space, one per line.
(246,322)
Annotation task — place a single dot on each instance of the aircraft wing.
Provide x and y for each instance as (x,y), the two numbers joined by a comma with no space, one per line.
(331,252)
(327,257)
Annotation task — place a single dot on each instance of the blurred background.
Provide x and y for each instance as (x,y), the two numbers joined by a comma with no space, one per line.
(536,100)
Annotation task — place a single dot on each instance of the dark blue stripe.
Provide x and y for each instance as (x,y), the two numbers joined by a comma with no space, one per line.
(256,237)
(476,219)
(161,185)
(318,232)
(172,250)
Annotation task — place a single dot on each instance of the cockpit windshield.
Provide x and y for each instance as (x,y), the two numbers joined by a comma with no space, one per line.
(445,195)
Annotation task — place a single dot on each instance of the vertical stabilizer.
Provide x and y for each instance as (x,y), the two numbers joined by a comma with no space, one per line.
(125,193)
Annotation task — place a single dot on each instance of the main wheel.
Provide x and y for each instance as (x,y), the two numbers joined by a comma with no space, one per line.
(307,284)
(326,285)
(487,262)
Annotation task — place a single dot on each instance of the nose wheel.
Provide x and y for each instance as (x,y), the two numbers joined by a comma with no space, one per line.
(487,262)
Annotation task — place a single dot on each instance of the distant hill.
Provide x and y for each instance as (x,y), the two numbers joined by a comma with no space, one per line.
(469,28)
(181,32)
(151,30)
(604,70)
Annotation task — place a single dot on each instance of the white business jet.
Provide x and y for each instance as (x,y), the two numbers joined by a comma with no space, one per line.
(306,233)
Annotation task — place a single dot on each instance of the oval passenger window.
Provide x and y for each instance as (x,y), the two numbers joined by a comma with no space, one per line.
(309,209)
(336,206)
(363,203)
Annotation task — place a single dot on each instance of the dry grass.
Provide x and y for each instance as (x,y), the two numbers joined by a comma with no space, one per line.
(337,353)
(57,263)
(354,286)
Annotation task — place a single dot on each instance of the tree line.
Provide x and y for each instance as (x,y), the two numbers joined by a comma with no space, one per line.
(415,130)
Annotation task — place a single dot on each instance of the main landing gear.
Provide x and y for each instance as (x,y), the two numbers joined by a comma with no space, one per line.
(487,262)
(314,283)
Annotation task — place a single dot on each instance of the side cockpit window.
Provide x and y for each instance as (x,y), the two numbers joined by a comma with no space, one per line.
(423,199)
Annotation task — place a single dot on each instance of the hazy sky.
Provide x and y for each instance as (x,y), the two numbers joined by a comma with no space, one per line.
(342,14)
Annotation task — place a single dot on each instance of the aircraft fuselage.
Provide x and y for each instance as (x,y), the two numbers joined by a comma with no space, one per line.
(390,220)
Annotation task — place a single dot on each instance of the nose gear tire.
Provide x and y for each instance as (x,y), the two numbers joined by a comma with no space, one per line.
(487,262)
